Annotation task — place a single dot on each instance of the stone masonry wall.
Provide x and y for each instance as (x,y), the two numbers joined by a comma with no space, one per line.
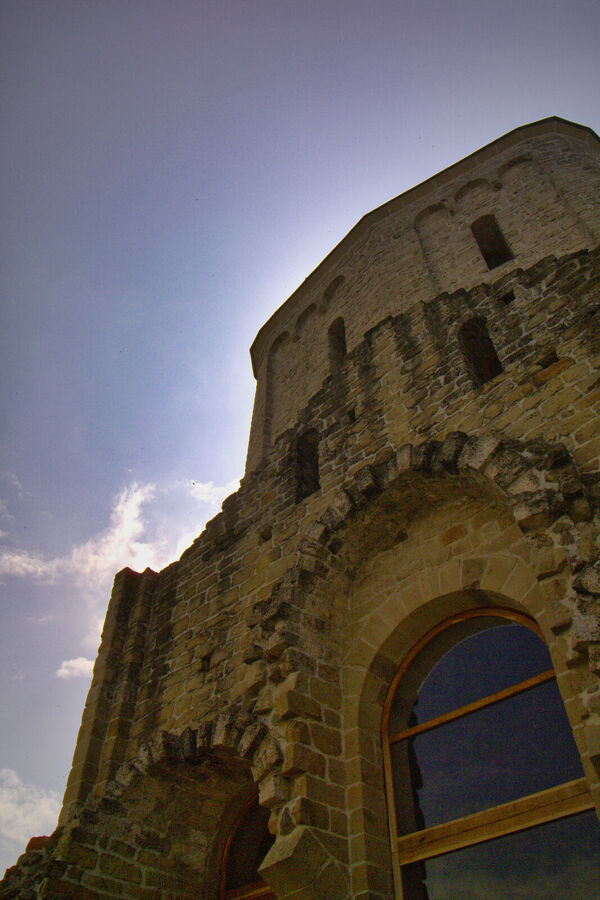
(240,635)
(181,641)
(261,659)
(542,186)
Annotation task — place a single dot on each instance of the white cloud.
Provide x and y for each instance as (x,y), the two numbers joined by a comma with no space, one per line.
(122,542)
(11,479)
(5,515)
(209,492)
(149,526)
(41,620)
(116,546)
(75,668)
(25,810)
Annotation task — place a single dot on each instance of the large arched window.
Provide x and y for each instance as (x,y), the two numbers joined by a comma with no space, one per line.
(245,850)
(485,788)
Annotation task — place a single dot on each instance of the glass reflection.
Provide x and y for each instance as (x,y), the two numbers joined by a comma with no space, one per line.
(505,751)
(554,861)
(482,664)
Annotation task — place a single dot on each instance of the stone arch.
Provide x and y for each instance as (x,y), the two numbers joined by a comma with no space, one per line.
(540,499)
(368,813)
(442,240)
(336,338)
(437,211)
(517,161)
(541,490)
(539,213)
(478,186)
(538,486)
(162,822)
(303,320)
(330,291)
(274,350)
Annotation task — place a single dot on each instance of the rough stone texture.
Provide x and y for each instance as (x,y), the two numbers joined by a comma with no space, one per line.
(260,660)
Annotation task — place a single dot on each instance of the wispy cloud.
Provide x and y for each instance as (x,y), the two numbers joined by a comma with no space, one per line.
(25,810)
(209,492)
(124,542)
(75,668)
(149,526)
(13,482)
(115,546)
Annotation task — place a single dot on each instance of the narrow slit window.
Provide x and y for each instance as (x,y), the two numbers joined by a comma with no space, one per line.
(337,344)
(307,464)
(491,241)
(479,351)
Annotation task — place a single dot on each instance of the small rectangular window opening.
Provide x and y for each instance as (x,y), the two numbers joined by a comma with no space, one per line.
(307,464)
(479,351)
(337,344)
(490,241)
(507,298)
(547,359)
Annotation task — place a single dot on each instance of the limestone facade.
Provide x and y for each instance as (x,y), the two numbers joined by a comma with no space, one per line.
(425,440)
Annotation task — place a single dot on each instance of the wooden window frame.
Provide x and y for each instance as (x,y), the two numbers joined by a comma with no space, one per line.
(554,803)
(251,892)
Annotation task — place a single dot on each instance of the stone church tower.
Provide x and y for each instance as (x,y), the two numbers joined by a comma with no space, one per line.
(376,672)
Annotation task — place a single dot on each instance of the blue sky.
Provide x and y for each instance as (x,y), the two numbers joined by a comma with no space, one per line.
(171,171)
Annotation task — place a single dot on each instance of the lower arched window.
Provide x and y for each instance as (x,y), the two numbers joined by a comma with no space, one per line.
(485,789)
(246,847)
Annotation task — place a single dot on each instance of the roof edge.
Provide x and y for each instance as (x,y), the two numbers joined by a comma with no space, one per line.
(541,126)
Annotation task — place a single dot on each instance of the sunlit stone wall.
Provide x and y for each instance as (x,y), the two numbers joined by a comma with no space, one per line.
(439,475)
(542,183)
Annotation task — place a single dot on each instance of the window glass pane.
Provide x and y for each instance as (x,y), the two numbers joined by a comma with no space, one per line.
(508,750)
(481,664)
(548,862)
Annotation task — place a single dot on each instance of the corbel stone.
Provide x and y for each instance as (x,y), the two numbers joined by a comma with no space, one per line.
(299,866)
(477,452)
(447,455)
(423,454)
(338,511)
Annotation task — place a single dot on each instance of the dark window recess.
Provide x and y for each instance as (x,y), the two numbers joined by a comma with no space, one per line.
(478,350)
(337,344)
(507,298)
(307,464)
(248,848)
(547,359)
(490,241)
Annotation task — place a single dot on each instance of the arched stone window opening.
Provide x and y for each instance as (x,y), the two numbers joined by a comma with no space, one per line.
(491,241)
(337,344)
(484,781)
(307,464)
(246,847)
(331,289)
(479,351)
